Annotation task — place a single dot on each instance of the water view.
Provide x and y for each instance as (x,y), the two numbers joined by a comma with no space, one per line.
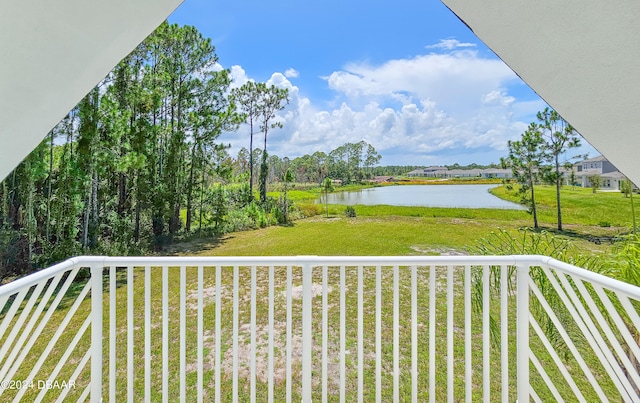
(463,196)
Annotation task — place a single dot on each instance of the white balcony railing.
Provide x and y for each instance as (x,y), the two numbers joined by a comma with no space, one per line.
(323,328)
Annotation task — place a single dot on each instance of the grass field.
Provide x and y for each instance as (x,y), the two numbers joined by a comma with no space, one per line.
(579,206)
(399,230)
(377,230)
(393,230)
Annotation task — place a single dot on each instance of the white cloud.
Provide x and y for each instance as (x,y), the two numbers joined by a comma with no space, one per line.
(497,97)
(291,73)
(238,76)
(450,44)
(426,109)
(456,79)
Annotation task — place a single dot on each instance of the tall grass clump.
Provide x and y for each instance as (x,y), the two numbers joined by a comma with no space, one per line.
(624,265)
(528,242)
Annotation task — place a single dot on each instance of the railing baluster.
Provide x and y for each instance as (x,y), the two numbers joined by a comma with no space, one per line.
(289,332)
(634,350)
(450,358)
(307,330)
(165,334)
(85,394)
(254,350)
(556,358)
(504,334)
(63,360)
(183,334)
(17,326)
(343,344)
(75,375)
(270,336)
(584,320)
(606,329)
(486,335)
(378,333)
(522,329)
(96,332)
(112,333)
(130,339)
(218,341)
(468,360)
(325,331)
(8,319)
(20,349)
(565,336)
(200,341)
(396,334)
(546,378)
(97,314)
(52,342)
(414,333)
(432,333)
(147,333)
(38,331)
(534,396)
(236,287)
(360,334)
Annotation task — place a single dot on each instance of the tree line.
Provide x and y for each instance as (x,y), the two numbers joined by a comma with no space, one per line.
(537,157)
(139,160)
(139,151)
(349,163)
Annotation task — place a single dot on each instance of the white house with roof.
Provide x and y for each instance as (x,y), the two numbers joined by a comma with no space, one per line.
(432,171)
(497,173)
(610,176)
(444,172)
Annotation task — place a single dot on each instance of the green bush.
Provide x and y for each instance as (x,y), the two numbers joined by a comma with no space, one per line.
(310,210)
(238,220)
(350,211)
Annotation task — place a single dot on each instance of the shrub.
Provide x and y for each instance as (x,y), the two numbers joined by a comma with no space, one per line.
(350,211)
(310,210)
(238,220)
(527,242)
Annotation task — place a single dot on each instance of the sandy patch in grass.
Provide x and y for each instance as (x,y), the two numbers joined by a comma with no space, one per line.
(438,251)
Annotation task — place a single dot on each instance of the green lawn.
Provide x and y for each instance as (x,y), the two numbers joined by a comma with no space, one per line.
(399,230)
(579,206)
(377,230)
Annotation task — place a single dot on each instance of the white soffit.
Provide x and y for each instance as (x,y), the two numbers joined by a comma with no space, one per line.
(582,57)
(53,53)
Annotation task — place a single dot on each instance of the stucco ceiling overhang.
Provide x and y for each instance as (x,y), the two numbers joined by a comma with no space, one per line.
(53,53)
(581,57)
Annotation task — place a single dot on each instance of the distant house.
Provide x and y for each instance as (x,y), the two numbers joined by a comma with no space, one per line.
(444,172)
(464,173)
(497,173)
(610,176)
(432,172)
(599,163)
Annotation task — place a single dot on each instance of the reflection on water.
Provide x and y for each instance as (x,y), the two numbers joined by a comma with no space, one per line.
(466,196)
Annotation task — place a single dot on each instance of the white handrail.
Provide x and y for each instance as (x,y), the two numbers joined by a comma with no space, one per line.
(341,268)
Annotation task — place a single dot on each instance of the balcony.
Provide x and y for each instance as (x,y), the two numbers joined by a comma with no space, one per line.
(318,328)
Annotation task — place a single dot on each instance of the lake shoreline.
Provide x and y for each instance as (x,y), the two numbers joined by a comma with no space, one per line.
(444,196)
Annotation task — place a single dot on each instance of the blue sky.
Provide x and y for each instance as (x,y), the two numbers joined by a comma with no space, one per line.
(407,77)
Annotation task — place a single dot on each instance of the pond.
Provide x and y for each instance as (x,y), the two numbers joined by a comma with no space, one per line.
(462,196)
